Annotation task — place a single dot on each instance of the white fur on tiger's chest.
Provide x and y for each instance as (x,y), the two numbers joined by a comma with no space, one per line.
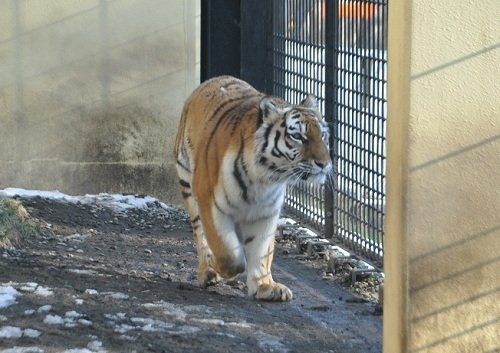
(241,195)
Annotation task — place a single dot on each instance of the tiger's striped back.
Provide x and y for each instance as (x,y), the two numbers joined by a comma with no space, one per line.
(212,121)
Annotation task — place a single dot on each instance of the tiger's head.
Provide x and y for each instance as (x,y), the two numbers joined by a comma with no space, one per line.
(293,141)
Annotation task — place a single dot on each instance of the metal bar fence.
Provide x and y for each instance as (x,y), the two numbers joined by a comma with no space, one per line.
(337,50)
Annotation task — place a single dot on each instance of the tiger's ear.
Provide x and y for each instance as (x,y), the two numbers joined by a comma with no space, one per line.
(310,102)
(271,110)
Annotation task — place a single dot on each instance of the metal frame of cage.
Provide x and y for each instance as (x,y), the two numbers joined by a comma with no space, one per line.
(336,50)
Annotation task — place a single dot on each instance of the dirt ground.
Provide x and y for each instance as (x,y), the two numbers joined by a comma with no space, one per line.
(95,279)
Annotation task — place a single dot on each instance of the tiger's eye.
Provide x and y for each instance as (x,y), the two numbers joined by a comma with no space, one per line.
(297,137)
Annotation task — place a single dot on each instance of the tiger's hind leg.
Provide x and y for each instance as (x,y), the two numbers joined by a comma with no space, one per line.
(207,276)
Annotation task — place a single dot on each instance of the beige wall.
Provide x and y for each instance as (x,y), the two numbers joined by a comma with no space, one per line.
(443,223)
(91,92)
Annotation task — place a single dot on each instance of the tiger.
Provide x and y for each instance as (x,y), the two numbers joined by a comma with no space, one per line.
(236,150)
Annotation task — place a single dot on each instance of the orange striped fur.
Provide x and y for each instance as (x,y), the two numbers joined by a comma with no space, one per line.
(236,150)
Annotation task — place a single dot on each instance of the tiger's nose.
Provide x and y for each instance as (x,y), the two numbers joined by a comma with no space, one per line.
(323,164)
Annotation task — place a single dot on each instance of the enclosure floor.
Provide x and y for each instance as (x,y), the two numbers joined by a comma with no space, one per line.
(106,282)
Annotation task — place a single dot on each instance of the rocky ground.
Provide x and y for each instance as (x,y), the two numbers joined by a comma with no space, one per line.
(92,277)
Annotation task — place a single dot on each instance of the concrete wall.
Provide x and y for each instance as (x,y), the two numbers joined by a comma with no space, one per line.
(91,92)
(442,254)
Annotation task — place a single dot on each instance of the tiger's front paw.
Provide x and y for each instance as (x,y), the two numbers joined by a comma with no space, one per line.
(275,292)
(208,277)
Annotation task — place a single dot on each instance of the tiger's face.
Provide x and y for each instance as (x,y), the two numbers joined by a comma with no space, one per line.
(295,141)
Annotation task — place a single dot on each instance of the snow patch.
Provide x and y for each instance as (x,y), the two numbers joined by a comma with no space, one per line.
(85,322)
(96,345)
(3,318)
(177,311)
(242,324)
(77,237)
(70,319)
(151,325)
(73,314)
(33,287)
(225,334)
(53,320)
(44,309)
(8,295)
(117,202)
(17,332)
(43,291)
(54,195)
(115,295)
(121,315)
(128,338)
(10,332)
(31,333)
(29,287)
(148,325)
(83,272)
(215,322)
(124,328)
(115,317)
(29,312)
(17,349)
(284,221)
(124,202)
